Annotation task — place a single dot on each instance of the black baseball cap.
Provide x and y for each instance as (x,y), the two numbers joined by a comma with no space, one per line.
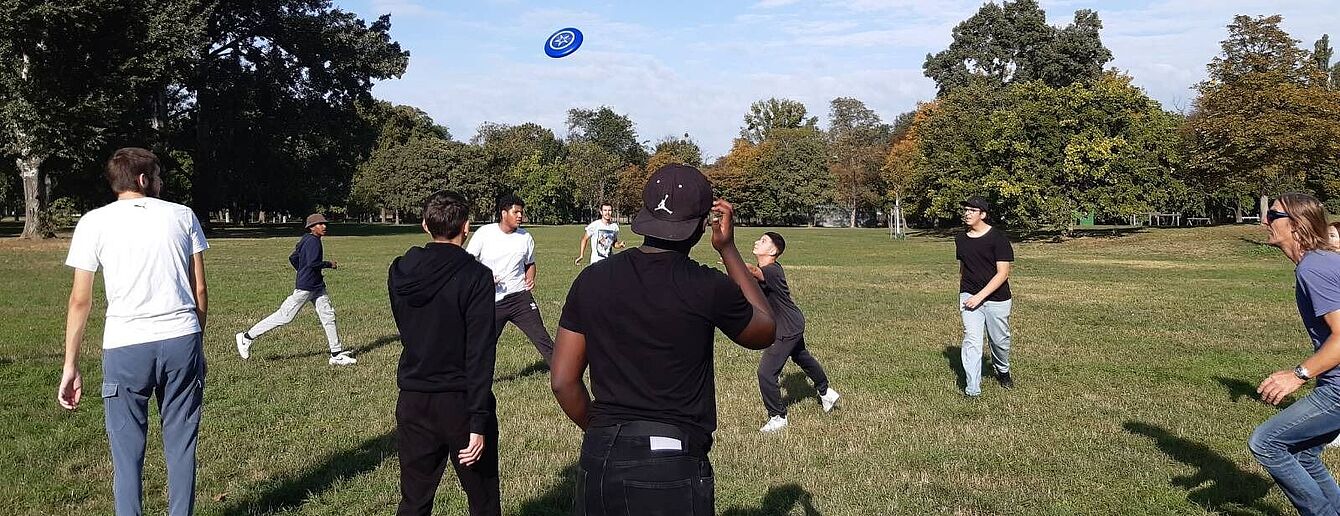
(976,201)
(674,202)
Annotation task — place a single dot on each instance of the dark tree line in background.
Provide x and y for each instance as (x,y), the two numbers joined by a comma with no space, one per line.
(261,110)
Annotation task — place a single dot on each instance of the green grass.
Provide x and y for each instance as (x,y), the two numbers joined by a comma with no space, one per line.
(1136,359)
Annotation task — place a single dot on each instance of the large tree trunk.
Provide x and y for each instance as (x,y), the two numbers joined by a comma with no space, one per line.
(853,217)
(1264,205)
(34,197)
(1237,211)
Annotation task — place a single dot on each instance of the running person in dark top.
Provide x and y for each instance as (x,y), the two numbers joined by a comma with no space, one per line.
(790,341)
(442,301)
(985,257)
(649,429)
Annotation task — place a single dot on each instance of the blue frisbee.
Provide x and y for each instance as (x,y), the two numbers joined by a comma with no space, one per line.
(563,42)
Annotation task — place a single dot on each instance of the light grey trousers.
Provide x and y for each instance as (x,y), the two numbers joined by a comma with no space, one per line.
(289,310)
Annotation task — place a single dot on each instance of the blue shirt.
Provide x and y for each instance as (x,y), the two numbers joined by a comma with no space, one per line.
(308,260)
(1318,293)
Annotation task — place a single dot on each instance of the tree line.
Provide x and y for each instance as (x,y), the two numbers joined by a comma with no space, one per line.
(261,108)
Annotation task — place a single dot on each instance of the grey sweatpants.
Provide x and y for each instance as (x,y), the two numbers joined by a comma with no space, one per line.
(289,310)
(173,371)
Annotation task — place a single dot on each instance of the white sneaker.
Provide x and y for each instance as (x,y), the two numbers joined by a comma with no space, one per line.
(829,399)
(775,423)
(1334,444)
(342,358)
(244,345)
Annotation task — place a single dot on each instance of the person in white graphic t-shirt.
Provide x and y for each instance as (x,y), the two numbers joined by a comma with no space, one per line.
(509,251)
(604,232)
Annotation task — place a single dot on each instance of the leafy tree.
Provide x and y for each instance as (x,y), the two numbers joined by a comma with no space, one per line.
(594,173)
(905,165)
(70,70)
(1012,42)
(612,131)
(547,191)
(1264,121)
(1045,155)
(400,177)
(766,115)
(858,141)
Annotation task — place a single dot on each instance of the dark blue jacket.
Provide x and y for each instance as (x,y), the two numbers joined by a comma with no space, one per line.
(307,260)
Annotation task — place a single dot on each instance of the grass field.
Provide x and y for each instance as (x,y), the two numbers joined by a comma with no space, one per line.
(1136,359)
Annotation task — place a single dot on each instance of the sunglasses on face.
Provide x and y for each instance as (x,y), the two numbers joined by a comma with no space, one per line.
(1274,215)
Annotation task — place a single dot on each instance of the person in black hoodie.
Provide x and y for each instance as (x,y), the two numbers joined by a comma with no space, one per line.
(442,301)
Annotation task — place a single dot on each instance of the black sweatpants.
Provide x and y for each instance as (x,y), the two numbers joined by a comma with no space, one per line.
(770,368)
(634,468)
(521,309)
(432,429)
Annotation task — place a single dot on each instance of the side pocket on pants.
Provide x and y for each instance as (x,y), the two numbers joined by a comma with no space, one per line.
(673,498)
(111,390)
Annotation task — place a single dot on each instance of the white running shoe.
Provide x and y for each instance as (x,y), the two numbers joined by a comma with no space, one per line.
(342,358)
(829,399)
(775,423)
(244,345)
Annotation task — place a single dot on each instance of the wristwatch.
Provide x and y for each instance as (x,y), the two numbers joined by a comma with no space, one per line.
(1301,373)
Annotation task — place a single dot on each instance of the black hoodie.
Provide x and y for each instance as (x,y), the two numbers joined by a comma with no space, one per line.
(442,301)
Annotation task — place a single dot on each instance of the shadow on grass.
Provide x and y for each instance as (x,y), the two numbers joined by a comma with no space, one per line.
(779,501)
(557,501)
(290,493)
(537,368)
(954,355)
(295,230)
(382,342)
(1055,236)
(798,388)
(1230,489)
(1237,389)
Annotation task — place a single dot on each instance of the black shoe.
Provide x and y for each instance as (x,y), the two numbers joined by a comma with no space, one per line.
(1005,380)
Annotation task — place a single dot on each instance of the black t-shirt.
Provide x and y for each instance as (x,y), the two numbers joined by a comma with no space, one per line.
(979,256)
(649,321)
(790,322)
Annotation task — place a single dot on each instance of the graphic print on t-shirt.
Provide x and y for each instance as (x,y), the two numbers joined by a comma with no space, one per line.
(605,242)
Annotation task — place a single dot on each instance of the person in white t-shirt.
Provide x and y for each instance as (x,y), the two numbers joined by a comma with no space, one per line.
(151,253)
(605,234)
(509,251)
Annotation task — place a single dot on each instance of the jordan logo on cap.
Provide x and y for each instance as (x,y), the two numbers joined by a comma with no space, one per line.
(661,206)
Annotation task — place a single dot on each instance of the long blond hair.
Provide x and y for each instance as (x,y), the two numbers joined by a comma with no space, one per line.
(1308,217)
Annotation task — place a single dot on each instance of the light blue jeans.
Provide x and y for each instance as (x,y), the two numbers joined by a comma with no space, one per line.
(1289,446)
(173,371)
(994,318)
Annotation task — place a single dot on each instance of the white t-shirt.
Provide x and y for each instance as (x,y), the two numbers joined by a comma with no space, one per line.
(603,236)
(144,248)
(507,254)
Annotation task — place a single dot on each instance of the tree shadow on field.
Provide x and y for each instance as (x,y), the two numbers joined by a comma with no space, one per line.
(291,493)
(356,352)
(798,388)
(557,500)
(295,230)
(779,501)
(536,368)
(1230,489)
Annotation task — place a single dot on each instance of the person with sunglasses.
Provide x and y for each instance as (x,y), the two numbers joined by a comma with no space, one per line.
(985,256)
(1289,444)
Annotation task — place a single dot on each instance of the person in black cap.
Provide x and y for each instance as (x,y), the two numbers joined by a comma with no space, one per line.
(984,255)
(442,301)
(649,429)
(308,260)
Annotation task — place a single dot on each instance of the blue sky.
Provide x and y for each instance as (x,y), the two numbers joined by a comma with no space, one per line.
(688,66)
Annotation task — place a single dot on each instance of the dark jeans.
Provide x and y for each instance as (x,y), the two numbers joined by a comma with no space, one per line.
(622,474)
(432,428)
(771,367)
(524,312)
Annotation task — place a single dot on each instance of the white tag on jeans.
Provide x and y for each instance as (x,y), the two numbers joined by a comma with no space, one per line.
(665,443)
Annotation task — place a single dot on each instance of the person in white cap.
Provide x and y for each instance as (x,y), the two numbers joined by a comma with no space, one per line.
(308,260)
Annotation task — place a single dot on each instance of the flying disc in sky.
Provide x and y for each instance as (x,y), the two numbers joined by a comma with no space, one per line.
(563,43)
